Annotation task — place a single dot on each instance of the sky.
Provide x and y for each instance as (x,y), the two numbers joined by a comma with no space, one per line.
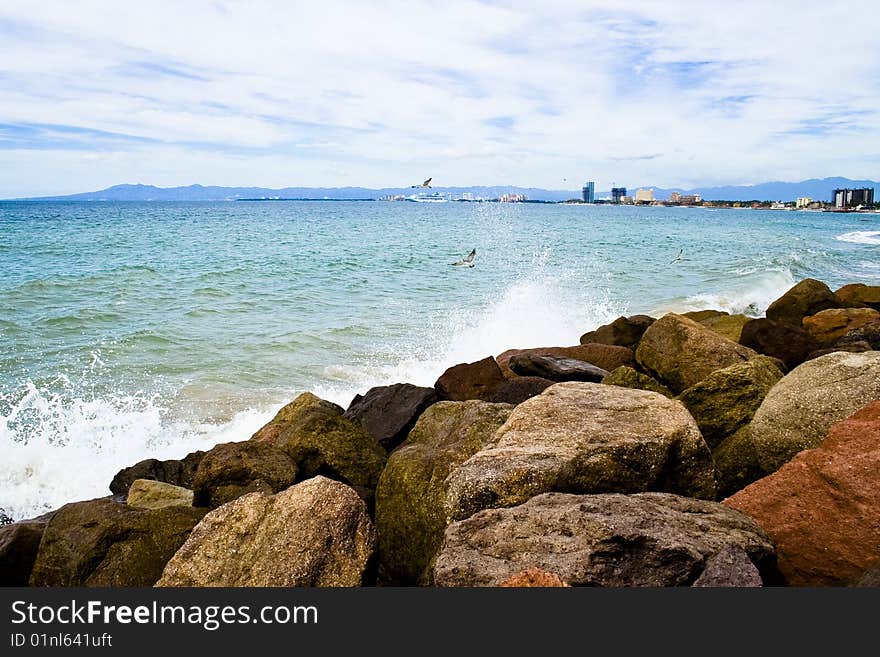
(386,94)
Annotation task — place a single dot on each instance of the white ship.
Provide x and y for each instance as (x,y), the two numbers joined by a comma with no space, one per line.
(433,197)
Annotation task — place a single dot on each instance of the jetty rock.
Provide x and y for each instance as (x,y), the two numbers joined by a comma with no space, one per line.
(859,294)
(806,298)
(622,332)
(627,377)
(555,368)
(150,494)
(790,344)
(179,472)
(829,326)
(604,356)
(387,413)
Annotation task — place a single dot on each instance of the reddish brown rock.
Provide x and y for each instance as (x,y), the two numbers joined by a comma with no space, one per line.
(790,344)
(828,326)
(518,389)
(622,332)
(859,294)
(534,578)
(822,509)
(466,381)
(806,298)
(605,356)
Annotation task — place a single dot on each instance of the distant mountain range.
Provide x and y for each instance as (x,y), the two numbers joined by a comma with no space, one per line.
(819,189)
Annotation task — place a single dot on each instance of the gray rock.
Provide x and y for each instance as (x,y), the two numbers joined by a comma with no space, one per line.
(730,567)
(555,368)
(150,494)
(389,412)
(177,472)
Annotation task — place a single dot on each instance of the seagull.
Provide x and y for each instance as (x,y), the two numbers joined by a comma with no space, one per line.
(467,261)
(678,257)
(427,183)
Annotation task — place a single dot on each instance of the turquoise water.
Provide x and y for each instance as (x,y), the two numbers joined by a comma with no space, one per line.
(130,330)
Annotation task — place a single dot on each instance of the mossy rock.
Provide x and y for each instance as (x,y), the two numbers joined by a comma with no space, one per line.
(736,463)
(627,377)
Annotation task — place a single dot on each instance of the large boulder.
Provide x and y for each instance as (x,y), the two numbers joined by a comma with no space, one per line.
(627,377)
(648,539)
(605,356)
(19,543)
(822,508)
(320,440)
(855,295)
(389,412)
(519,388)
(623,331)
(728,326)
(585,438)
(790,344)
(727,399)
(804,299)
(230,470)
(828,326)
(107,543)
(316,533)
(151,494)
(736,463)
(465,381)
(179,472)
(679,352)
(798,411)
(410,512)
(868,334)
(555,368)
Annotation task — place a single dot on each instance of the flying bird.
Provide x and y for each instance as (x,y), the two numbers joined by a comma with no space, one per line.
(427,183)
(678,257)
(467,261)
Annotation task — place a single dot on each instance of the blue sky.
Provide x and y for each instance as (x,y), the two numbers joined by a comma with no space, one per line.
(388,93)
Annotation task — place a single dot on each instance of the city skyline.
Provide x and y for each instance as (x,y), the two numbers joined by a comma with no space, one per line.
(338,94)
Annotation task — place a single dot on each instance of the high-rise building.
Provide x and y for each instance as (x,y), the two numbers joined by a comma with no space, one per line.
(802,201)
(644,196)
(589,192)
(617,194)
(850,198)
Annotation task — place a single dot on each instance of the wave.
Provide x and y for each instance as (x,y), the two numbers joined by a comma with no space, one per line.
(750,296)
(861,237)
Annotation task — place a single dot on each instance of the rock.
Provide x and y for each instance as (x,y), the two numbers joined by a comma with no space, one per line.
(410,512)
(555,368)
(791,344)
(822,508)
(798,411)
(4,519)
(871,577)
(623,332)
(585,438)
(828,326)
(151,494)
(470,380)
(106,543)
(230,470)
(647,539)
(730,567)
(701,316)
(736,463)
(804,299)
(727,399)
(177,472)
(851,348)
(320,441)
(389,412)
(518,389)
(679,352)
(728,326)
(607,357)
(19,543)
(869,333)
(316,533)
(859,294)
(627,377)
(534,577)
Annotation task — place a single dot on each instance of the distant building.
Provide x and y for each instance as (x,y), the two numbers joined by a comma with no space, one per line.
(690,199)
(589,192)
(644,196)
(512,198)
(627,200)
(802,201)
(850,198)
(617,194)
(675,197)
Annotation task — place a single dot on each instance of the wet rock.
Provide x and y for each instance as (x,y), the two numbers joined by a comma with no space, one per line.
(585,438)
(679,352)
(727,399)
(867,334)
(798,411)
(518,389)
(466,381)
(230,470)
(701,316)
(316,533)
(627,377)
(851,348)
(728,326)
(821,509)
(791,344)
(410,511)
(730,567)
(555,368)
(859,294)
(107,543)
(828,326)
(623,331)
(604,356)
(177,472)
(736,463)
(389,412)
(151,494)
(647,539)
(19,543)
(804,299)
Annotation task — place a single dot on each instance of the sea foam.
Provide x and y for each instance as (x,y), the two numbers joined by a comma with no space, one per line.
(861,237)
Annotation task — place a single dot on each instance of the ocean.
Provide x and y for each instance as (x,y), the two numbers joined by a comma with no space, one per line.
(137,330)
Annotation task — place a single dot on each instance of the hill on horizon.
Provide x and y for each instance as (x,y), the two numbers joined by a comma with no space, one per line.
(816,188)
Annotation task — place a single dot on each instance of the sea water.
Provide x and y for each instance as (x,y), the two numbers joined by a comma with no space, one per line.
(136,330)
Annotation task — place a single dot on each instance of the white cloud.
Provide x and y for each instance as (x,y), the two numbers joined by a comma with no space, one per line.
(377,94)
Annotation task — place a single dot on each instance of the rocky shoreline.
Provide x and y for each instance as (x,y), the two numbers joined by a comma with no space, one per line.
(701,449)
